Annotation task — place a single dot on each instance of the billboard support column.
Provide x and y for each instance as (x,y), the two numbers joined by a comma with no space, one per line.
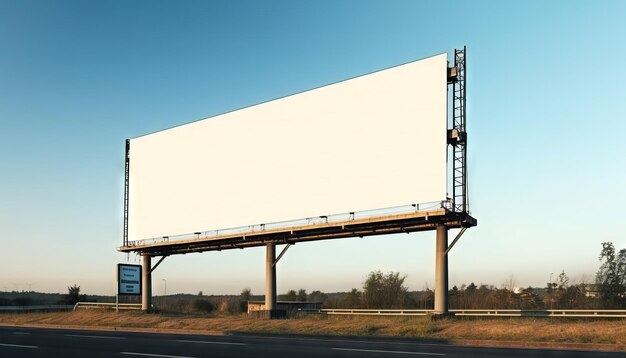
(441,270)
(146,284)
(270,277)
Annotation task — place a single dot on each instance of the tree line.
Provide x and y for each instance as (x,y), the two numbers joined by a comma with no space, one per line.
(387,290)
(382,290)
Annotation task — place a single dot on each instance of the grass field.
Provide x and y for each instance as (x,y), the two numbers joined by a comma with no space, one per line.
(529,330)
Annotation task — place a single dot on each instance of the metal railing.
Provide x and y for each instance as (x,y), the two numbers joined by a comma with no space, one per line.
(542,313)
(475,312)
(103,305)
(368,312)
(350,216)
(36,308)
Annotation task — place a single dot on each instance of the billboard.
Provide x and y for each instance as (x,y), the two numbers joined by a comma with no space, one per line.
(370,142)
(128,279)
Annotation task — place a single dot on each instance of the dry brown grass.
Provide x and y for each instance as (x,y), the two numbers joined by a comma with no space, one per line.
(517,329)
(537,330)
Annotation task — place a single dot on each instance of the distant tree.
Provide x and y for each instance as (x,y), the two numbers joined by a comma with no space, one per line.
(351,300)
(562,280)
(454,296)
(573,297)
(290,296)
(488,296)
(611,277)
(485,297)
(317,296)
(301,295)
(244,297)
(425,299)
(384,291)
(22,301)
(529,299)
(200,294)
(509,284)
(549,298)
(504,298)
(570,296)
(245,294)
(556,291)
(73,295)
(355,298)
(203,304)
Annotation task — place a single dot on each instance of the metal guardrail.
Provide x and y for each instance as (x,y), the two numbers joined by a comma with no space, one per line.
(36,308)
(476,312)
(115,306)
(368,312)
(542,313)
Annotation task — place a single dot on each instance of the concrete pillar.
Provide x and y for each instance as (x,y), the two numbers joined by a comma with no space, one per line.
(270,277)
(441,270)
(146,284)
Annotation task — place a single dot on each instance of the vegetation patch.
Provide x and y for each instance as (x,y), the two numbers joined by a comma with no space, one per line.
(452,330)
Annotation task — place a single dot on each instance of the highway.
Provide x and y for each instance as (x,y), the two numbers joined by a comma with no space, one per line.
(51,343)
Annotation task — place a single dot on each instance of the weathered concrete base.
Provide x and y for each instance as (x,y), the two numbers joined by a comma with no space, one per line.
(269,314)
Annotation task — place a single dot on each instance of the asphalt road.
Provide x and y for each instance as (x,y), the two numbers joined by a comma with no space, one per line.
(51,343)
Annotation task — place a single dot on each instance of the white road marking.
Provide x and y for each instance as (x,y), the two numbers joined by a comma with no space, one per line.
(213,342)
(16,345)
(391,352)
(87,336)
(151,355)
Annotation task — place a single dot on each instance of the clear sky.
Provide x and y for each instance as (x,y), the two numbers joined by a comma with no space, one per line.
(546,107)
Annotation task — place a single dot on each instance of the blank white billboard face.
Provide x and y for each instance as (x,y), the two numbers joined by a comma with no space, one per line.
(371,142)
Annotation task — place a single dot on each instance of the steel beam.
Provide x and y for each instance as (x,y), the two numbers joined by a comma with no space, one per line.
(359,228)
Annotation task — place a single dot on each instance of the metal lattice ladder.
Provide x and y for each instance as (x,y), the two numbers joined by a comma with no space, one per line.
(457,135)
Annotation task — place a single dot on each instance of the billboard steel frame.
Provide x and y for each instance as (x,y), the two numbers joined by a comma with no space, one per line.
(454,213)
(393,224)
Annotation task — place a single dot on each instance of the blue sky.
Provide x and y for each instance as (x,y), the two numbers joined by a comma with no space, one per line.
(545,112)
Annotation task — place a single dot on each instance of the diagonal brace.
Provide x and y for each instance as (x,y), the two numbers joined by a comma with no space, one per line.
(458,236)
(158,263)
(281,254)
